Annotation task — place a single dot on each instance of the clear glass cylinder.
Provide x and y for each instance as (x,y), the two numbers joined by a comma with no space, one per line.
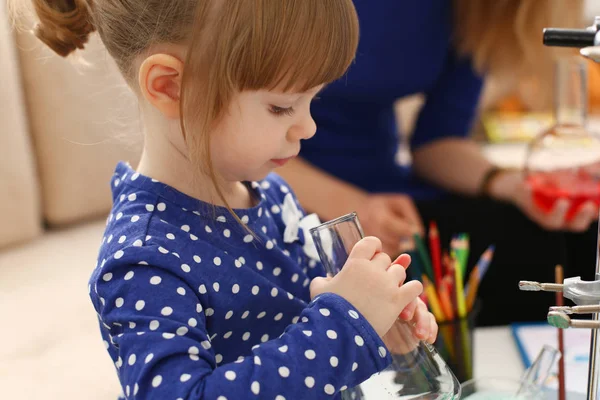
(417,371)
(564,161)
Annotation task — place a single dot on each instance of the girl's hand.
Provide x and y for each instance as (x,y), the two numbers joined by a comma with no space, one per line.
(424,327)
(424,324)
(372,284)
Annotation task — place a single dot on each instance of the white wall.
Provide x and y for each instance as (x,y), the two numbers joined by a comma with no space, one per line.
(592,9)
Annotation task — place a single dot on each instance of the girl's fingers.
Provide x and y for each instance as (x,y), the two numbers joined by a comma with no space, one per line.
(409,311)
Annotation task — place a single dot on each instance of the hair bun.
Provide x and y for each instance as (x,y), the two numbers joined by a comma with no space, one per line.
(65,25)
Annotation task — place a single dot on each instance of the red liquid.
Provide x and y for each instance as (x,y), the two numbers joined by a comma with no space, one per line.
(576,186)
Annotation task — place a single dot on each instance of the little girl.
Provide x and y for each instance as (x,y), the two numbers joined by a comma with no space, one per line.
(202,281)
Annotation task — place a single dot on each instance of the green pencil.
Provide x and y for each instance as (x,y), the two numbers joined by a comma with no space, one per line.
(461,250)
(427,268)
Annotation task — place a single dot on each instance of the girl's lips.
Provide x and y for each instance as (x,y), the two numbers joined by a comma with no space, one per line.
(281,161)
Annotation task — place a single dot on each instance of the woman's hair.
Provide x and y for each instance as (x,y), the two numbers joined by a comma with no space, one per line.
(504,37)
(232,45)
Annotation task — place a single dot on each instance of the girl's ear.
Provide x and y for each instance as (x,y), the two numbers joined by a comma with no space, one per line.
(159,79)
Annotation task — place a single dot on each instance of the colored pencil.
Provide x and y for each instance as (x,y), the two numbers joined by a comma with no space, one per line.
(459,246)
(477,275)
(444,293)
(446,263)
(471,288)
(432,299)
(449,283)
(436,252)
(415,269)
(466,345)
(558,278)
(447,332)
(465,254)
(427,270)
(460,294)
(484,261)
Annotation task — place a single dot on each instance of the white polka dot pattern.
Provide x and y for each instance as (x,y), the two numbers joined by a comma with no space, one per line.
(184,295)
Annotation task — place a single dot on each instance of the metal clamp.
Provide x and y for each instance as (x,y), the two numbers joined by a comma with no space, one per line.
(574,289)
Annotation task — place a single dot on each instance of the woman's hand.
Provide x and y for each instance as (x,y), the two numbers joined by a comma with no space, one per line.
(393,218)
(511,187)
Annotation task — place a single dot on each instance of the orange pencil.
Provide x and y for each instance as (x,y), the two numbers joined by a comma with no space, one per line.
(444,295)
(472,287)
(435,249)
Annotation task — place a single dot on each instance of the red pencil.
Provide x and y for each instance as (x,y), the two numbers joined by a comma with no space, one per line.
(448,282)
(562,395)
(436,255)
(446,263)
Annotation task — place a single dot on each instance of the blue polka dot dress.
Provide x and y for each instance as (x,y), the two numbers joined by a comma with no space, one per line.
(192,306)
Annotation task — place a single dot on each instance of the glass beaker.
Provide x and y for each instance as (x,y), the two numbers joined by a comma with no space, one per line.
(529,387)
(417,370)
(564,161)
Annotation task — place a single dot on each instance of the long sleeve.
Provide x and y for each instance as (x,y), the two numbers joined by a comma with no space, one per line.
(165,350)
(451,103)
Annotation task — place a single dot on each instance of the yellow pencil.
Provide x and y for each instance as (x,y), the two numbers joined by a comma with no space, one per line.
(432,299)
(466,344)
(460,292)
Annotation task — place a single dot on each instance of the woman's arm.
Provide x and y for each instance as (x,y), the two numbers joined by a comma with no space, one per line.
(455,164)
(459,166)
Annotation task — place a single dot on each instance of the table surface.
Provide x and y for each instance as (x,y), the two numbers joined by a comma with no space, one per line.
(496,354)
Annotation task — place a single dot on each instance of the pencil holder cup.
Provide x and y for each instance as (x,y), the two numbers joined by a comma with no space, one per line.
(417,370)
(455,344)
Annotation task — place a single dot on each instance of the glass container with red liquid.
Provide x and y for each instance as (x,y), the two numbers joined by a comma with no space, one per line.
(564,161)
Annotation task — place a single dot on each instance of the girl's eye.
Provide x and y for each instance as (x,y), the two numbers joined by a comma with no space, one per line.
(282,110)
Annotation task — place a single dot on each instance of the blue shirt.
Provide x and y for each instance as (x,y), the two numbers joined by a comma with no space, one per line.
(405,48)
(192,306)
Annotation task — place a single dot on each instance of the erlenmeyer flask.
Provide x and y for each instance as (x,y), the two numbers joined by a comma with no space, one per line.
(564,161)
(530,387)
(417,370)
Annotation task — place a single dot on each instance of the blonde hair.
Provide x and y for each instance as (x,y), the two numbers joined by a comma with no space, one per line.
(232,46)
(504,37)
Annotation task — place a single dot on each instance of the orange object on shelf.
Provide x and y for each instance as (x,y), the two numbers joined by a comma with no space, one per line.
(594,87)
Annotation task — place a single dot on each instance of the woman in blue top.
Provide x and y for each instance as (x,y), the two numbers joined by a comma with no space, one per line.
(409,47)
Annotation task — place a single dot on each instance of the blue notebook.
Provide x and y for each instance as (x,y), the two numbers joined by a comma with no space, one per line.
(531,337)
